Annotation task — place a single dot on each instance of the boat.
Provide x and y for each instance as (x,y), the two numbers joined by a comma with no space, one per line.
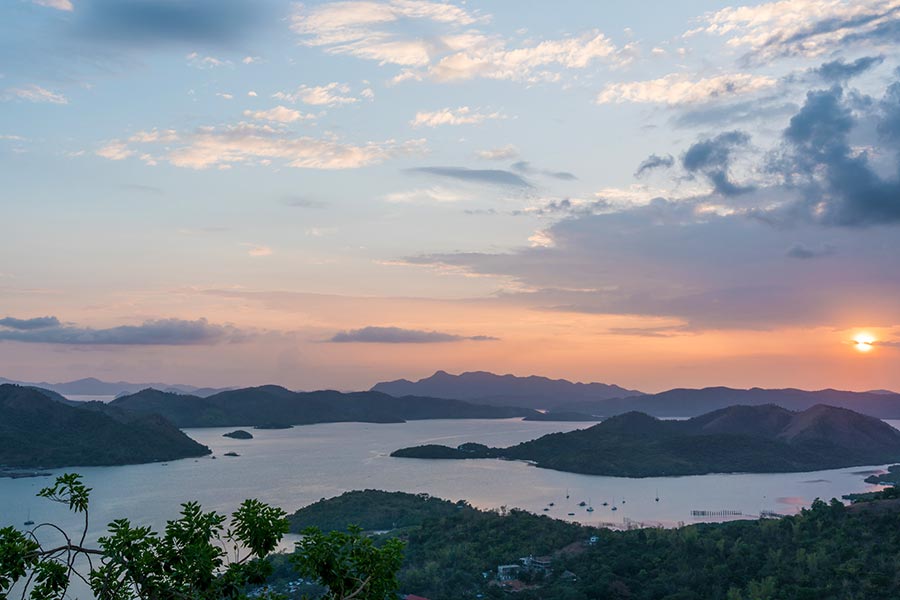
(590,509)
(657,495)
(567,494)
(606,504)
(546,509)
(29,522)
(582,503)
(571,514)
(551,504)
(615,508)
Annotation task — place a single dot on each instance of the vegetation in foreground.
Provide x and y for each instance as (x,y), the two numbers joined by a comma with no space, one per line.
(199,556)
(828,551)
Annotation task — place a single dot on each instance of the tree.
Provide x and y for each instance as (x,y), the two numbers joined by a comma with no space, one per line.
(198,556)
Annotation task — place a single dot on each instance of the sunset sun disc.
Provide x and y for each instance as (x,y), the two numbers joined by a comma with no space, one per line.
(863,342)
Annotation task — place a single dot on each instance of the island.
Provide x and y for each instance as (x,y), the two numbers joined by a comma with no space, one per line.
(239,434)
(37,431)
(266,405)
(274,426)
(748,439)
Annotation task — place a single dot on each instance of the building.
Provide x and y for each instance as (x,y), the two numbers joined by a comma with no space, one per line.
(508,572)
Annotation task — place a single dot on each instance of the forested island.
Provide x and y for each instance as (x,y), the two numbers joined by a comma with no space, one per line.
(453,550)
(749,439)
(270,405)
(37,430)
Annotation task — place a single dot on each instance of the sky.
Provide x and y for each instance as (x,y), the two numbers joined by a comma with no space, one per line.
(331,194)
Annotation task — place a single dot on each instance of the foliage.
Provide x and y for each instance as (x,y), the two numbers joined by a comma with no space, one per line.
(828,551)
(199,556)
(349,564)
(373,510)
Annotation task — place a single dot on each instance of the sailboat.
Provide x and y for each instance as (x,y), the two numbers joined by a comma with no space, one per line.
(567,494)
(590,508)
(657,495)
(28,521)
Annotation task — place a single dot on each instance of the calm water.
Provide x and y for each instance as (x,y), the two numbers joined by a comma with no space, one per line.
(295,467)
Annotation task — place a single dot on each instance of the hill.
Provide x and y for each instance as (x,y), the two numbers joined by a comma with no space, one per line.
(503,390)
(38,431)
(751,439)
(453,550)
(273,404)
(91,386)
(682,402)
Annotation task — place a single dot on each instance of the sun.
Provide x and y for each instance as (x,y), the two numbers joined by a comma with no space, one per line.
(863,342)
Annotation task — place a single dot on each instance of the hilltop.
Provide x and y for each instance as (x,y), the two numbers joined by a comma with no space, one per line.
(38,431)
(682,402)
(91,386)
(504,390)
(274,404)
(754,439)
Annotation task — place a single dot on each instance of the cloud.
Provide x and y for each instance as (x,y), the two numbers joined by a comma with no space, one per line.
(837,184)
(256,250)
(397,335)
(330,94)
(839,70)
(507,152)
(523,166)
(279,114)
(678,260)
(206,62)
(65,5)
(492,176)
(162,332)
(453,116)
(653,162)
(150,22)
(250,144)
(34,93)
(439,41)
(678,88)
(804,27)
(712,157)
(432,194)
(29,324)
(303,202)
(802,251)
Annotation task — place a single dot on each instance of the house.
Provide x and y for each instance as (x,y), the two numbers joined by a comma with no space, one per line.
(594,540)
(508,572)
(535,564)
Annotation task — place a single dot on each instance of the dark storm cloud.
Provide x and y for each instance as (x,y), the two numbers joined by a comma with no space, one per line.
(839,70)
(216,22)
(730,114)
(713,157)
(397,335)
(161,332)
(492,176)
(838,184)
(29,324)
(654,162)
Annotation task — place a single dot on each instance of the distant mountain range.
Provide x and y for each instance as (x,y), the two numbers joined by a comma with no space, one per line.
(37,430)
(91,386)
(274,405)
(749,439)
(482,387)
(690,402)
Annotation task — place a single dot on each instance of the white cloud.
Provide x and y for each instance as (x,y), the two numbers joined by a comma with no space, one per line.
(456,51)
(802,27)
(115,150)
(205,62)
(65,5)
(452,116)
(541,239)
(225,96)
(330,94)
(252,94)
(256,250)
(279,114)
(35,93)
(251,144)
(678,88)
(507,152)
(432,194)
(368,94)
(249,60)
